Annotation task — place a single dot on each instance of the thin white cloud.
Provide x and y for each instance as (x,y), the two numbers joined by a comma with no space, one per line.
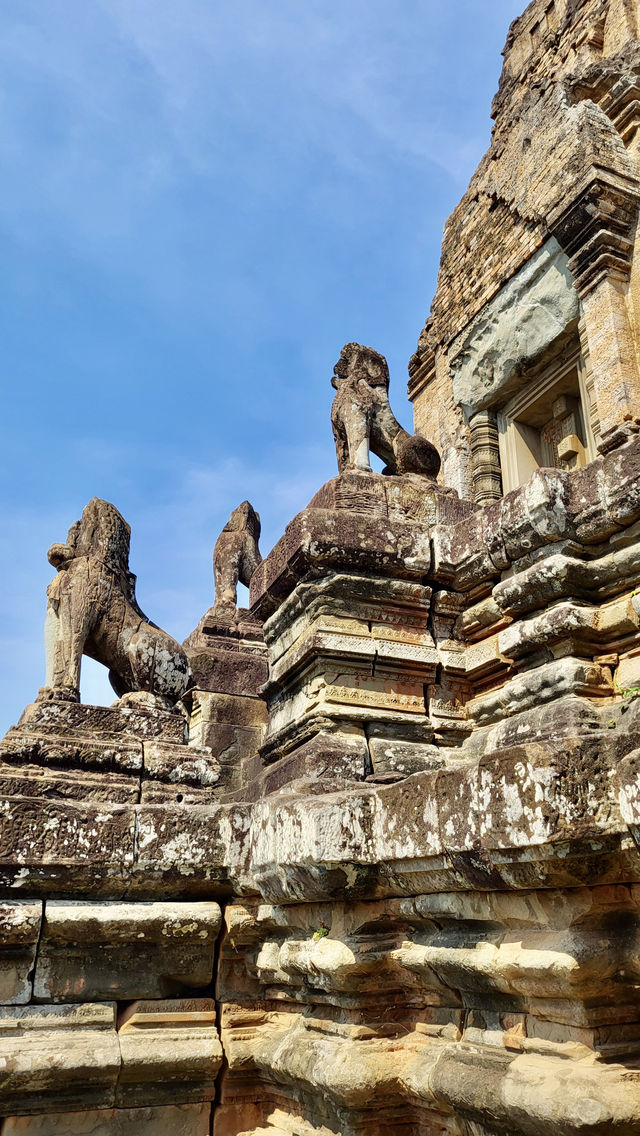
(335,62)
(133,91)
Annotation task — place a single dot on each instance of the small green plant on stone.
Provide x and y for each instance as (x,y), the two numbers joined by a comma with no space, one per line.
(320,933)
(627,691)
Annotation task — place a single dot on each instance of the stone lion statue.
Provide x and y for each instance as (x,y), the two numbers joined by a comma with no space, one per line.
(236,554)
(92,610)
(363,421)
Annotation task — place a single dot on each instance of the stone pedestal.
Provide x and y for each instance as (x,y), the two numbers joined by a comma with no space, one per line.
(348,626)
(123,753)
(227,712)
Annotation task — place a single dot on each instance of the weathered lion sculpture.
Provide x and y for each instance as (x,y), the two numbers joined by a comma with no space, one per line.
(236,554)
(363,421)
(92,610)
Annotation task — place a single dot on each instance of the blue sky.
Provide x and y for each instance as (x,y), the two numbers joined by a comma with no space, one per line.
(201,203)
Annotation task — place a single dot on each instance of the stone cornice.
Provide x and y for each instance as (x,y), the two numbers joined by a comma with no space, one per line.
(422,370)
(596,229)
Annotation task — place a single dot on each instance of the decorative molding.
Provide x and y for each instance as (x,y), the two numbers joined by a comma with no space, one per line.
(421,374)
(596,229)
(616,90)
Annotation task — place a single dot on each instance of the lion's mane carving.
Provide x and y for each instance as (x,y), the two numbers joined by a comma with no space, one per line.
(92,610)
(363,421)
(236,554)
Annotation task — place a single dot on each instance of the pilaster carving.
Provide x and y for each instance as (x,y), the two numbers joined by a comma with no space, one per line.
(485,458)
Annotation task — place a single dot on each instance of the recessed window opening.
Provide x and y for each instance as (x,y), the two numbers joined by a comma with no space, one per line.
(549,422)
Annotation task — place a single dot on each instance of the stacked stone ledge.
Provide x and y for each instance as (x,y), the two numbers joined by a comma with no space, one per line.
(348,625)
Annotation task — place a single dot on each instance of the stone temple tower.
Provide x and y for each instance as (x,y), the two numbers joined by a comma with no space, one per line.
(364,858)
(529,357)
